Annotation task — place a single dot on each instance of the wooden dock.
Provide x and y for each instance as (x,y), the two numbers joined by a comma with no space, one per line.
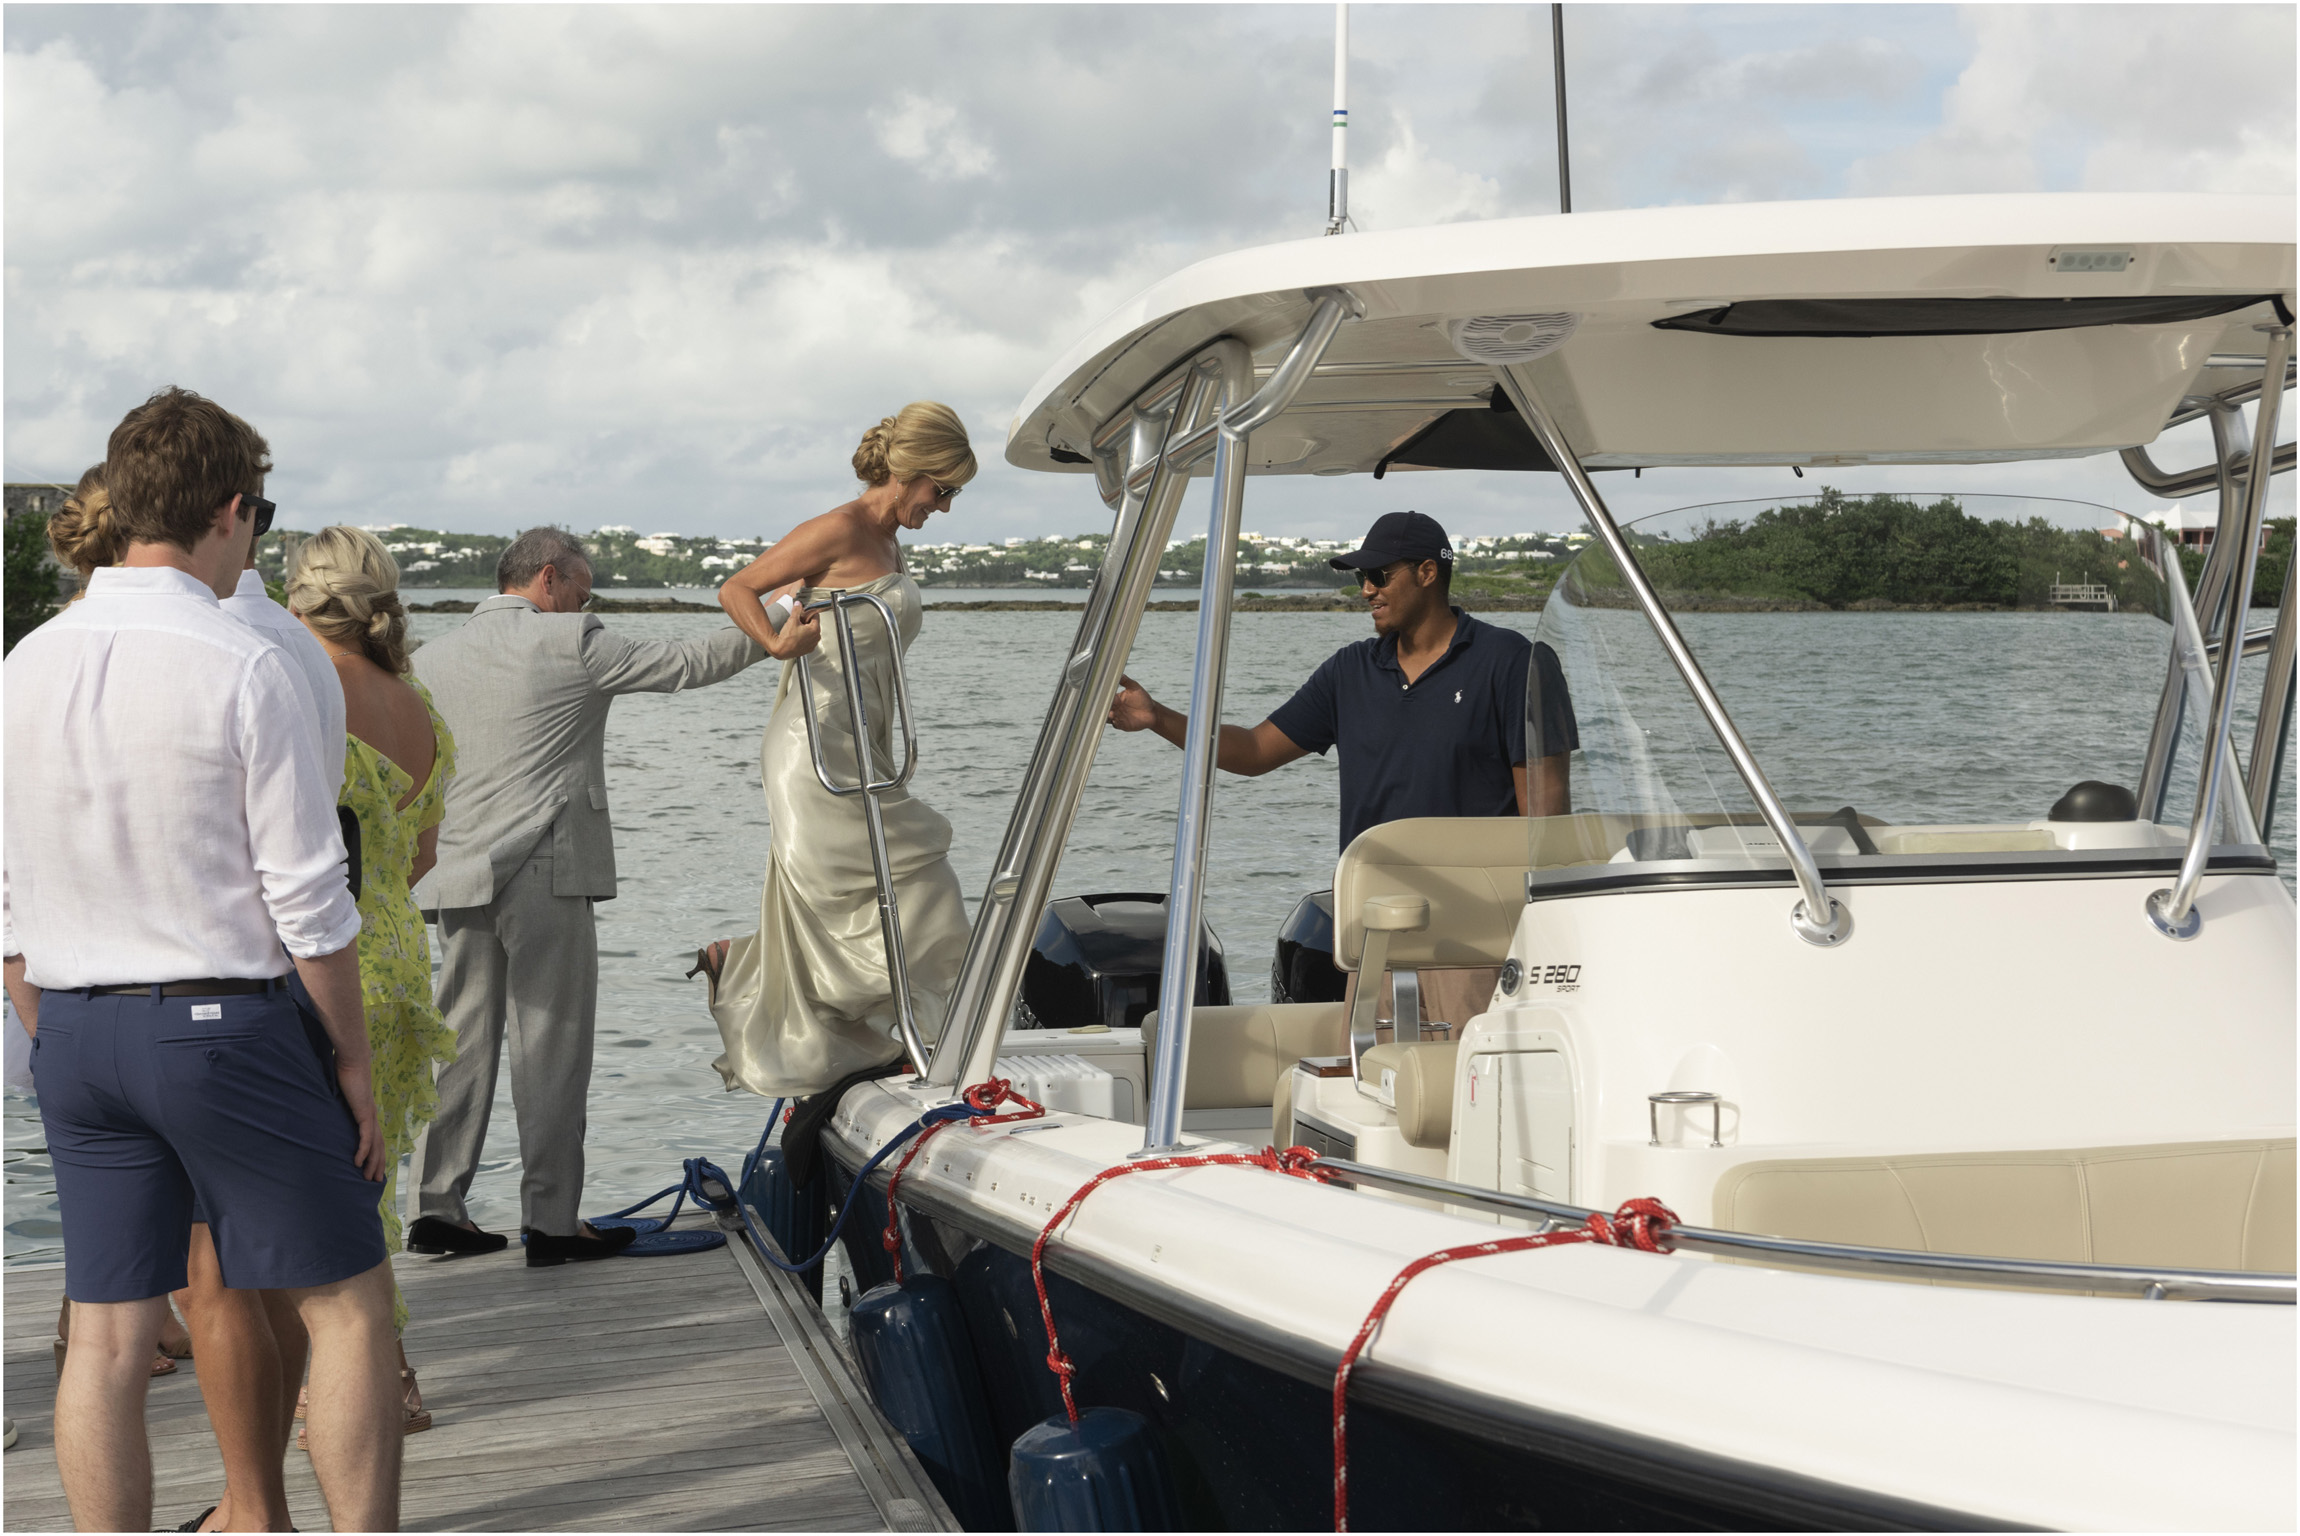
(694,1393)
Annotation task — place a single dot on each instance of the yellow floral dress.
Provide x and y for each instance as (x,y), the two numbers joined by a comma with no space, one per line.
(403,1024)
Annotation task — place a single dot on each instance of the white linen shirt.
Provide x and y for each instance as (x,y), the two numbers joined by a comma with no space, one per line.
(253,606)
(168,815)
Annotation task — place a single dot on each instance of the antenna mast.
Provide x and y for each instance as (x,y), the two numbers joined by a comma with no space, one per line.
(1338,180)
(1557,58)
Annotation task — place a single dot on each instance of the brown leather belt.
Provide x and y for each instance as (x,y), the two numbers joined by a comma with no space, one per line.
(211,987)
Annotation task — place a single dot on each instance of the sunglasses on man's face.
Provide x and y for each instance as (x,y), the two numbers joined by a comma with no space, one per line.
(262,511)
(1381,577)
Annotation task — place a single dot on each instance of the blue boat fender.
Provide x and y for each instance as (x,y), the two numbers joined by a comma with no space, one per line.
(918,1361)
(793,1214)
(1103,1473)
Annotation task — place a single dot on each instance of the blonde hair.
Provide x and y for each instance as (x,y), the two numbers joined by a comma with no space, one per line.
(925,437)
(346,586)
(83,532)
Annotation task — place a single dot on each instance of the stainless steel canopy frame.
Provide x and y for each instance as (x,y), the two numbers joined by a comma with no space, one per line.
(868,785)
(2232,473)
(2272,728)
(2174,911)
(1178,971)
(2173,484)
(1006,922)
(1818,918)
(1144,455)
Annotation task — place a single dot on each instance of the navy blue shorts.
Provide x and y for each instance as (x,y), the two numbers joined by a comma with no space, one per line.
(149,1107)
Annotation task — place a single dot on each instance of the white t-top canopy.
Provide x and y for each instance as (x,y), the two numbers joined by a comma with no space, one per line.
(1889,330)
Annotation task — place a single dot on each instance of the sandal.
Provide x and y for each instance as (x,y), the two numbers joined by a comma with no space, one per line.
(708,961)
(418,1417)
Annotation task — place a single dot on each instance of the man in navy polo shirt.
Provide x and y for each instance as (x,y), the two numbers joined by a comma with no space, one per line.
(1429,714)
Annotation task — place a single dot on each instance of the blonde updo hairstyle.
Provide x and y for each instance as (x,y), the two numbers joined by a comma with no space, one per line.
(925,437)
(346,587)
(83,532)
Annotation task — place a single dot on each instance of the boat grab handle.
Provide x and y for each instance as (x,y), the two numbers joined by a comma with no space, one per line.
(857,711)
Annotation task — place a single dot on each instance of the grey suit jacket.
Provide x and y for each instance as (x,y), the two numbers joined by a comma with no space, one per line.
(526,694)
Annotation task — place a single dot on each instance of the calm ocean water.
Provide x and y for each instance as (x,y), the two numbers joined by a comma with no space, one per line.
(1908,716)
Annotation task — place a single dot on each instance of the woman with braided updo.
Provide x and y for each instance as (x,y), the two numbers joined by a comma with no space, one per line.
(398,760)
(805,1001)
(81,532)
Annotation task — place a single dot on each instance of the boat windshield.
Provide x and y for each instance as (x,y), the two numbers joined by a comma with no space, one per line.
(1930,683)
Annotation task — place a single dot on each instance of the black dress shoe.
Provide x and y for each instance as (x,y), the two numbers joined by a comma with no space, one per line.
(429,1234)
(544,1250)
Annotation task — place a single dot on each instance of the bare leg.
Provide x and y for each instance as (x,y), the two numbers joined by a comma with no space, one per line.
(353,1424)
(101,1449)
(295,1355)
(242,1375)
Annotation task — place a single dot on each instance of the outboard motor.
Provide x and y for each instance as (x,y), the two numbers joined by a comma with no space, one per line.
(1096,961)
(1303,971)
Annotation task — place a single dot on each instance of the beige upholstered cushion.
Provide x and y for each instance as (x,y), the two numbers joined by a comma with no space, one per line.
(1238,1054)
(1471,870)
(1425,1092)
(2185,1205)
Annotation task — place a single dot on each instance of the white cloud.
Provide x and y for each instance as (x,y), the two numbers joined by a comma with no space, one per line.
(2181,98)
(1410,186)
(927,134)
(482,267)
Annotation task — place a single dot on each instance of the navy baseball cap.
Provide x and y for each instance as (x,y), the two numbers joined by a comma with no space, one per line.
(1397,536)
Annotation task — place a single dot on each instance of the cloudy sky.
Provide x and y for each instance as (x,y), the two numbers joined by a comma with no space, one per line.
(482,268)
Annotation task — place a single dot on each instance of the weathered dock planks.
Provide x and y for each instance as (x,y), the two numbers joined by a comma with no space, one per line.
(693,1393)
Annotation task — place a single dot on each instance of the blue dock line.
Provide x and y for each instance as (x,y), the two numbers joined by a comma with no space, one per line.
(701,1175)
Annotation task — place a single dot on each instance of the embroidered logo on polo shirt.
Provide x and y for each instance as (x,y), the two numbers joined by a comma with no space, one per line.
(1457,695)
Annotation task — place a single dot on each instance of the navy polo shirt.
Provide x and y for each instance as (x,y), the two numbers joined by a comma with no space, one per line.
(1442,745)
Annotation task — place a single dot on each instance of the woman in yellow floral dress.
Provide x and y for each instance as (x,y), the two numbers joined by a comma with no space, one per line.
(345,589)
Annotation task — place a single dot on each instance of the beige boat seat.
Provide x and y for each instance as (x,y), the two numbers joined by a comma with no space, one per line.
(1240,1055)
(1470,869)
(2183,1205)
(1422,1091)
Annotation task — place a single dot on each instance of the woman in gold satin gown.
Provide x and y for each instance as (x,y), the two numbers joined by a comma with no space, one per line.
(805,1000)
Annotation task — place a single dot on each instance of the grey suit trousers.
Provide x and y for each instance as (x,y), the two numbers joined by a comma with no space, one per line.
(525,965)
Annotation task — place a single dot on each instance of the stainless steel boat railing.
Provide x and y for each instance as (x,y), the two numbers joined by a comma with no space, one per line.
(867,782)
(2148,1282)
(2173,910)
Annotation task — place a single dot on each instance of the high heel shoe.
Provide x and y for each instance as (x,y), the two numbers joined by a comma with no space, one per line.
(708,961)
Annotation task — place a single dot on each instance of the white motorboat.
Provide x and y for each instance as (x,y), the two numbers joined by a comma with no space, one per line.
(1958,1241)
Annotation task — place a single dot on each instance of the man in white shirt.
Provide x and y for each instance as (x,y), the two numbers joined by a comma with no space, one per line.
(172,864)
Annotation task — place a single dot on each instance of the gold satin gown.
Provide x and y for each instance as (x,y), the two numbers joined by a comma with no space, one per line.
(804,1001)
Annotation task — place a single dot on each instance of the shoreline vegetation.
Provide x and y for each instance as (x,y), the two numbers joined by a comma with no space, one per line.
(1818,554)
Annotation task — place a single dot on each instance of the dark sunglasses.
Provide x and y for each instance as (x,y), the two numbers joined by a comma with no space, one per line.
(946,492)
(1381,577)
(263,511)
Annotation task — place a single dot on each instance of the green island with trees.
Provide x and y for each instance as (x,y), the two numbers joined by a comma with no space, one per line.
(1841,552)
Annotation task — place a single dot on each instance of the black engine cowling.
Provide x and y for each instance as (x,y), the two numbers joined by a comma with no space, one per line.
(1303,969)
(1096,961)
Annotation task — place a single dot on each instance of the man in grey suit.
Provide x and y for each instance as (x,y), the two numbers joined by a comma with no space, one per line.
(525,849)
